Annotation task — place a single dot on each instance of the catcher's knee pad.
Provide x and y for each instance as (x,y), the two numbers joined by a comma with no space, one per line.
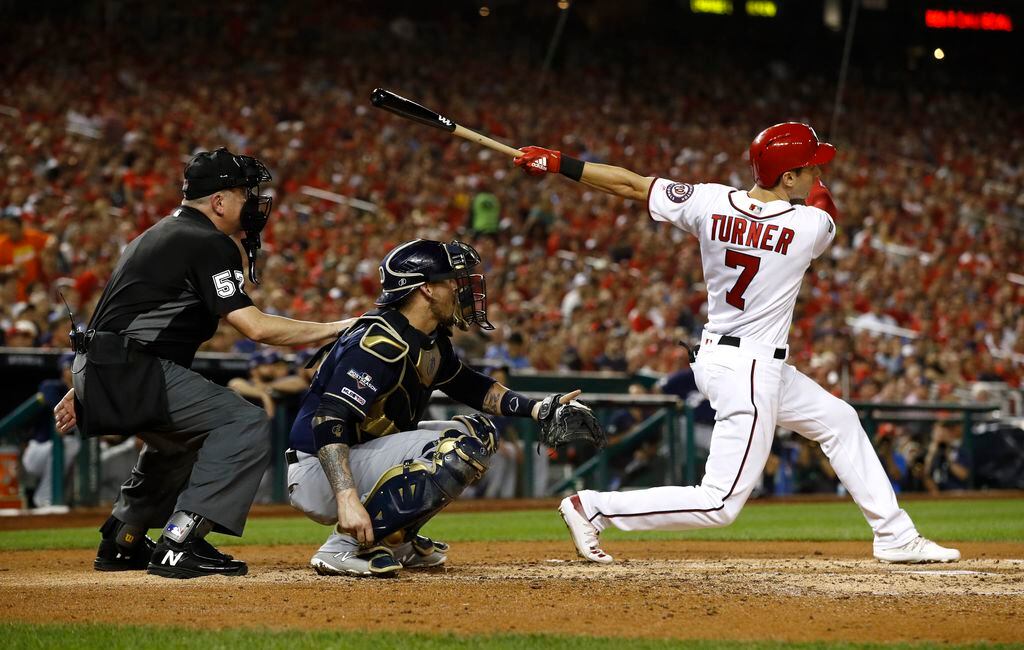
(481,428)
(409,494)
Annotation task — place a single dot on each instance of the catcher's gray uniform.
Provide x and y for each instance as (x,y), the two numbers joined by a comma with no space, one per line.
(311,492)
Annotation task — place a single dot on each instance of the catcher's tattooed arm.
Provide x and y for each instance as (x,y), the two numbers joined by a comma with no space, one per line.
(334,459)
(492,400)
(500,400)
(352,516)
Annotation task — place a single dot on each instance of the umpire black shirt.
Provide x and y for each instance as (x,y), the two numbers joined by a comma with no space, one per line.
(172,285)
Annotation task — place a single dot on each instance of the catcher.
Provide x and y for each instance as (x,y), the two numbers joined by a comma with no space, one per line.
(360,457)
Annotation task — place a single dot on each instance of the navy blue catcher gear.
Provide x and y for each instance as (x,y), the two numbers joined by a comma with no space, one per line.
(420,261)
(409,494)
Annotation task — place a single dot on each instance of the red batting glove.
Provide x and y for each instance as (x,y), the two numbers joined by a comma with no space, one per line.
(821,198)
(537,161)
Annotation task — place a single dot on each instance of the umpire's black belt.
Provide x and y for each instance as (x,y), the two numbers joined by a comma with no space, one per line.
(734,341)
(291,456)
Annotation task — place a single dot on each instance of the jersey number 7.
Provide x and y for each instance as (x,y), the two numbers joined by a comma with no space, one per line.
(750,265)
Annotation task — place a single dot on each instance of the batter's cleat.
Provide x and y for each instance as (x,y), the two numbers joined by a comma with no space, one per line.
(192,559)
(346,563)
(919,550)
(584,534)
(111,556)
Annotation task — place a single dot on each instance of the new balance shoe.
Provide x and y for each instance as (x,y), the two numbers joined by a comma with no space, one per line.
(417,561)
(346,563)
(419,555)
(583,533)
(192,559)
(917,551)
(111,556)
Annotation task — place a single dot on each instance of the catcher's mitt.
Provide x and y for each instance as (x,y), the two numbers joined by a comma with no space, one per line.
(561,424)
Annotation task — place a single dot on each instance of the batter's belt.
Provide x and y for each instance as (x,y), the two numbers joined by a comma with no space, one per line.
(748,344)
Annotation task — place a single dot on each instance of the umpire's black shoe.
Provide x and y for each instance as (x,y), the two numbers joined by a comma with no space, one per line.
(193,559)
(111,556)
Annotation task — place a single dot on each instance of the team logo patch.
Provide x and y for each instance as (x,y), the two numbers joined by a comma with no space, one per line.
(679,192)
(363,380)
(348,392)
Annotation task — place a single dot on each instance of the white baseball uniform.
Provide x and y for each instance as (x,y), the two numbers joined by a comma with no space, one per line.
(754,256)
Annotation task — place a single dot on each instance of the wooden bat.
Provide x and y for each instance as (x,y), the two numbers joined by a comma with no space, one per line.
(410,110)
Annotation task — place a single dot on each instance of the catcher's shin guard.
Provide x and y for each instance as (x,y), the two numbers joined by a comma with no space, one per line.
(409,494)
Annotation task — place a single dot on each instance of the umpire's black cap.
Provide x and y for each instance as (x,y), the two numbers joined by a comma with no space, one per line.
(211,171)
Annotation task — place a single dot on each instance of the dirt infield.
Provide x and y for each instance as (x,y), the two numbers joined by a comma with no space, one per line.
(793,591)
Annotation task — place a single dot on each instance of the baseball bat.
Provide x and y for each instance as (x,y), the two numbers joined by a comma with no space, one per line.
(410,110)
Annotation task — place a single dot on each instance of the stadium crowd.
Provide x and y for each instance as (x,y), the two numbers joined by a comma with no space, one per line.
(920,296)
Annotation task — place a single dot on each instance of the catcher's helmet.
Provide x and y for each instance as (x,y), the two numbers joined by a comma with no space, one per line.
(420,261)
(783,147)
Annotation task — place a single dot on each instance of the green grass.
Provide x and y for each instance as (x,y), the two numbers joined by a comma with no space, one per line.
(954,520)
(19,635)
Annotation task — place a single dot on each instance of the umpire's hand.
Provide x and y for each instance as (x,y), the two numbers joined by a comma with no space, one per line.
(64,413)
(353,519)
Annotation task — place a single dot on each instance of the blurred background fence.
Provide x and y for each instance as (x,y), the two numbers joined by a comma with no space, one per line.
(656,439)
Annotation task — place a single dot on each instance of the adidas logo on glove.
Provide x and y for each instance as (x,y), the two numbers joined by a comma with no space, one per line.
(540,163)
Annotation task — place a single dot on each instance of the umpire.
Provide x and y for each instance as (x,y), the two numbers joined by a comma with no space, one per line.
(206,448)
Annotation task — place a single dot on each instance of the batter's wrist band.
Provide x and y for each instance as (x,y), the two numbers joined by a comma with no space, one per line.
(515,405)
(571,167)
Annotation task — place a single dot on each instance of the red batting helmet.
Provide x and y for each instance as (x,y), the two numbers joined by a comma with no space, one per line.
(783,147)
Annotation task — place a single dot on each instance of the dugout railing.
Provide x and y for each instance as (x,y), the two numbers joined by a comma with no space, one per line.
(872,414)
(665,414)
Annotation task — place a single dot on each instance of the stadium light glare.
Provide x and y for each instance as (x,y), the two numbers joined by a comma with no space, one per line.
(761,8)
(939,54)
(719,7)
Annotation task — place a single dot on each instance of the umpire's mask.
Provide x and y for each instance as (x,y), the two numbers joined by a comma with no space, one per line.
(211,171)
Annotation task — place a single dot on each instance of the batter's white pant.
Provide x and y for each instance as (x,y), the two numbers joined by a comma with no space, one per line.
(752,393)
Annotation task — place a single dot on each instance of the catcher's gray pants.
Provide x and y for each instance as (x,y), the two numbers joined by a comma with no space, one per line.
(208,461)
(311,492)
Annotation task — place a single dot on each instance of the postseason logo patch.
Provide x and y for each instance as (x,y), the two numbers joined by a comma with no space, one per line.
(679,192)
(363,380)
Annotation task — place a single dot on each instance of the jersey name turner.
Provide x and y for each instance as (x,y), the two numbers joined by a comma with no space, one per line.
(737,230)
(754,254)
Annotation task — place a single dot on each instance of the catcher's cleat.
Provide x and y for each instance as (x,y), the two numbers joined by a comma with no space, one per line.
(340,564)
(919,550)
(418,555)
(426,546)
(382,562)
(584,534)
(111,556)
(192,559)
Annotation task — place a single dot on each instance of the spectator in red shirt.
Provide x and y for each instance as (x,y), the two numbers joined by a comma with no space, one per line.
(23,252)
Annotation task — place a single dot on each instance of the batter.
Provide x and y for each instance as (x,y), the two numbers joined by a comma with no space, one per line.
(755,247)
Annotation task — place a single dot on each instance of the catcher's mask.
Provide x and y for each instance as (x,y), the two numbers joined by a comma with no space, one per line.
(211,171)
(420,261)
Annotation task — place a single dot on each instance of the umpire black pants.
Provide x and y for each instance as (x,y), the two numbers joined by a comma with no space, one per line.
(209,460)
